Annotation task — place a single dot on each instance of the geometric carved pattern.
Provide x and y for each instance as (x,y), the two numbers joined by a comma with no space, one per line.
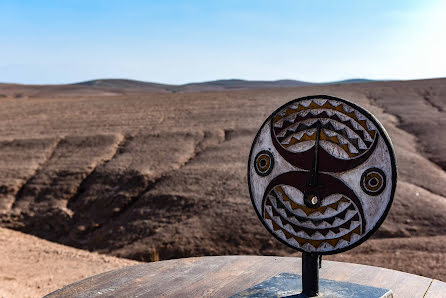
(333,179)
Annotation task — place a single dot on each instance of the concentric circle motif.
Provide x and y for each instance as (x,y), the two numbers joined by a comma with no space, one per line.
(321,174)
(373,181)
(264,163)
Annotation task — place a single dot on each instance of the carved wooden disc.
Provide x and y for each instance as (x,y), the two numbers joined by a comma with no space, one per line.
(322,174)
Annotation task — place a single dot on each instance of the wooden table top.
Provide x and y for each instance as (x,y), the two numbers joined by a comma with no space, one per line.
(224,276)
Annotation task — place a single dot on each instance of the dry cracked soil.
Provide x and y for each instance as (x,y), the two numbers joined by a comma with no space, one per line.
(151,174)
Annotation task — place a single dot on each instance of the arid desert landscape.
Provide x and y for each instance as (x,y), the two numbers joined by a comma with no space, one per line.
(106,173)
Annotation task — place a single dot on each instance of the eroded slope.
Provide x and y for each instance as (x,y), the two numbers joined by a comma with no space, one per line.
(158,174)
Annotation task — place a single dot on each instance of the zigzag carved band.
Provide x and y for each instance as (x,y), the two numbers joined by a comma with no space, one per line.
(309,231)
(315,243)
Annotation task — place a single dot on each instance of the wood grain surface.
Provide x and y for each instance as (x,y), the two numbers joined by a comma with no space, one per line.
(436,289)
(226,275)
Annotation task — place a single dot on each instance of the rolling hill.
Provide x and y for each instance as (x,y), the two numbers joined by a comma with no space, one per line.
(131,171)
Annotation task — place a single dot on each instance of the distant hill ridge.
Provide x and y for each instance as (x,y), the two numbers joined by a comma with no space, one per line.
(109,87)
(209,85)
(120,83)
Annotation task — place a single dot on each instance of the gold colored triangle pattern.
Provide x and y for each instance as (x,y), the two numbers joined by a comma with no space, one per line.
(315,243)
(307,210)
(327,105)
(312,137)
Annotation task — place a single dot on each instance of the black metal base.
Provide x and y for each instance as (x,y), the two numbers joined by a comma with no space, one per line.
(310,274)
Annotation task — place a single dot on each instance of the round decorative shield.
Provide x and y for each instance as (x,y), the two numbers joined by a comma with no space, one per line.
(322,174)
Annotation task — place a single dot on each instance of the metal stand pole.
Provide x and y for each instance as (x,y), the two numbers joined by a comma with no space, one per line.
(310,274)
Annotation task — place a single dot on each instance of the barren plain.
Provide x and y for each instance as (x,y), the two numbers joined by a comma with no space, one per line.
(147,172)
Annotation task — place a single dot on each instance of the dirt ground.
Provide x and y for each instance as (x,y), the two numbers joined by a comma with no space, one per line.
(32,267)
(154,174)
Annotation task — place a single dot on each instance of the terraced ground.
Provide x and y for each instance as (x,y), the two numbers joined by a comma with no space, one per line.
(148,173)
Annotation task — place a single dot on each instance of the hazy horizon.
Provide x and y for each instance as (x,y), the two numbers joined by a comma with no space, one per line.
(354,79)
(199,82)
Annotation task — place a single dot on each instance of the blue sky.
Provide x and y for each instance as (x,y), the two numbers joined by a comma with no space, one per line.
(188,41)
